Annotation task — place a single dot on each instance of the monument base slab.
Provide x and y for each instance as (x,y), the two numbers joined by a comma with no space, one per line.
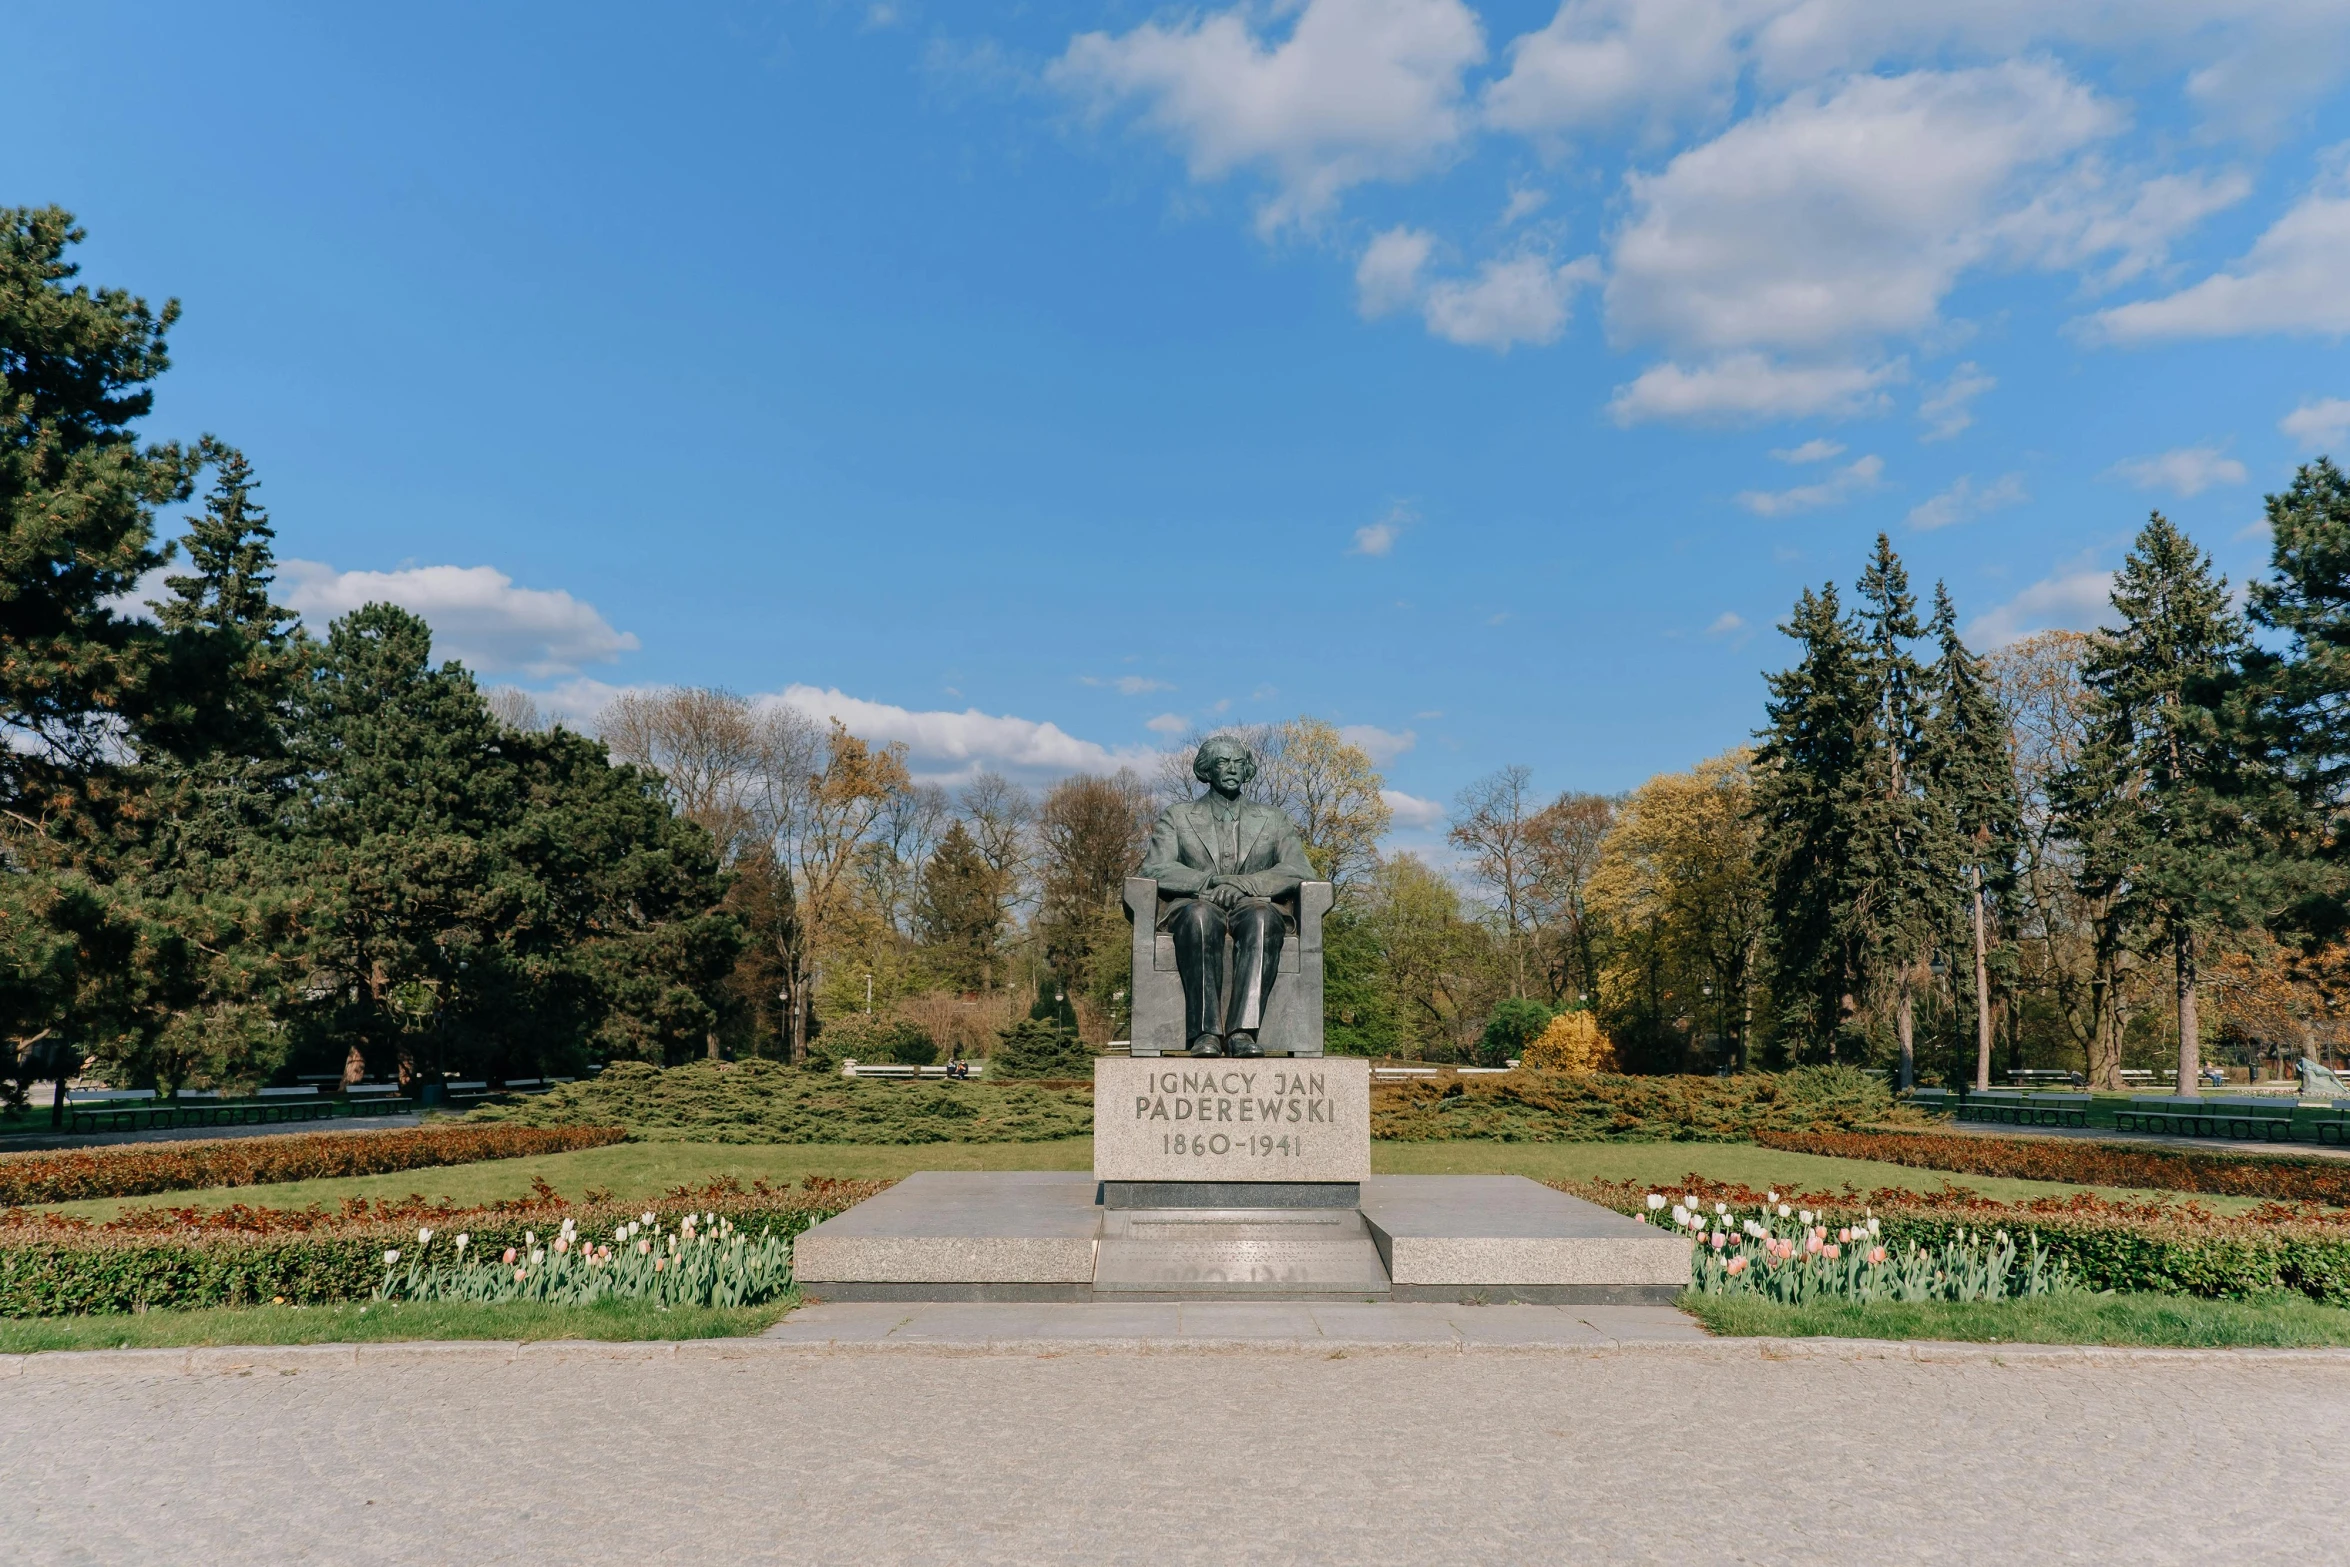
(1231,1194)
(1043,1236)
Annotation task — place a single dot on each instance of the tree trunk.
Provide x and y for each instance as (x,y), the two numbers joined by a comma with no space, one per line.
(2105,1041)
(2190,1024)
(1982,991)
(1902,1026)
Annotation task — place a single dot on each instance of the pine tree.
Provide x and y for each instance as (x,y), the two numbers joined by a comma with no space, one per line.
(1806,773)
(1975,815)
(2164,800)
(2301,699)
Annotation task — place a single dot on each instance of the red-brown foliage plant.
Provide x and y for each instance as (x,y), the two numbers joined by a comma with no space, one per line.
(138,1169)
(2282,1178)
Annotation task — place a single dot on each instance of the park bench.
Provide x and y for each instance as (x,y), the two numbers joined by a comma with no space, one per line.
(2209,1117)
(940,1068)
(1400,1074)
(2041,1077)
(305,1092)
(2330,1120)
(2017,1108)
(526,1085)
(879,1069)
(1479,1071)
(1932,1098)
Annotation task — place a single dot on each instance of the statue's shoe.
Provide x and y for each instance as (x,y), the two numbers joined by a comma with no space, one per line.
(1207,1045)
(1242,1045)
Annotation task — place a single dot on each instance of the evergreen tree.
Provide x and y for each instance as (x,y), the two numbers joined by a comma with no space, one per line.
(2165,798)
(1897,892)
(2303,696)
(1807,770)
(959,913)
(1976,815)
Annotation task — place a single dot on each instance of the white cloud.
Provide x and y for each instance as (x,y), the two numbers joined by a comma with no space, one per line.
(1380,745)
(2185,470)
(1524,299)
(477,614)
(1600,62)
(1962,501)
(1127,685)
(1818,449)
(948,745)
(1359,90)
(1725,623)
(2071,601)
(1388,277)
(1750,387)
(1842,485)
(1411,812)
(1844,215)
(1524,202)
(1945,410)
(1168,724)
(2319,423)
(1378,538)
(2293,280)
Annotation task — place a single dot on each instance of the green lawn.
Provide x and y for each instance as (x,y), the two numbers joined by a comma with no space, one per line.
(633,1171)
(384,1322)
(2282,1322)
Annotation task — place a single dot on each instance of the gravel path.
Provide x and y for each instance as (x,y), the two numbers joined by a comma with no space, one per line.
(762,1451)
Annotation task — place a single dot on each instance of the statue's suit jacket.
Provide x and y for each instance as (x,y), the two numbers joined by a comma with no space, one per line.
(1182,856)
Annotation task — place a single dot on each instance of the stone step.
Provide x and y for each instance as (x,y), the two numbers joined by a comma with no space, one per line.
(1237,1252)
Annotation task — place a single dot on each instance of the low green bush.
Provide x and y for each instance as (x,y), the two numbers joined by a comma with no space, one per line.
(1578,1107)
(766,1102)
(1040,1048)
(1513,1025)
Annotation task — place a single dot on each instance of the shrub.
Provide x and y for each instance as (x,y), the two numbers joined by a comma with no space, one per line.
(863,1037)
(1513,1025)
(51,1265)
(2086,1163)
(1554,1107)
(134,1171)
(768,1102)
(1571,1042)
(1039,1048)
(2161,1248)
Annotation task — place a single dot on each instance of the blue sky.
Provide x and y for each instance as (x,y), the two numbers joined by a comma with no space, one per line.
(1488,378)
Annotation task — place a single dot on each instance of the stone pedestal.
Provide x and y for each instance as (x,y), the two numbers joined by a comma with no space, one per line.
(1246,1122)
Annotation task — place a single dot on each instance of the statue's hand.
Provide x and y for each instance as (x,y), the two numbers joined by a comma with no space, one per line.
(1224,895)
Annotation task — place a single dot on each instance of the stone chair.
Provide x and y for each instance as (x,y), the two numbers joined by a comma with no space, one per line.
(1293,1013)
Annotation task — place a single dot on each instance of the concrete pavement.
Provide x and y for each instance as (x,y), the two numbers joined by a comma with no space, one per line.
(768,1450)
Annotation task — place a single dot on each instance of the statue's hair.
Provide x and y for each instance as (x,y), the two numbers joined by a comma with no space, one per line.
(1199,761)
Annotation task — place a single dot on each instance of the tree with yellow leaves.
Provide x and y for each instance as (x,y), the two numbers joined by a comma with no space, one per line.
(1572,1043)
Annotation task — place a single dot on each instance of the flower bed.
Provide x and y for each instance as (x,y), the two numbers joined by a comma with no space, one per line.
(52,1265)
(2286,1178)
(2170,1248)
(1574,1107)
(143,1168)
(702,1260)
(1794,1257)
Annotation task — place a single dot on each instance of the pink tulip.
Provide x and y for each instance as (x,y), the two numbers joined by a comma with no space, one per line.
(659,1263)
(1720,1240)
(518,1275)
(1833,1250)
(1876,1254)
(509,1256)
(1844,1235)
(1812,1245)
(1737,1265)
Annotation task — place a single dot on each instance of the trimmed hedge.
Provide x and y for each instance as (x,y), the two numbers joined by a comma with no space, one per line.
(766,1102)
(1583,1107)
(71,1175)
(2285,1178)
(51,1266)
(2158,1248)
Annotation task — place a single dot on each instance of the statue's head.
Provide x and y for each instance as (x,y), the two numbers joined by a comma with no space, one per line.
(1224,764)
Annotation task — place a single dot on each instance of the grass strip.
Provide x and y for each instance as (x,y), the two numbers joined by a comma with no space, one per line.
(387,1322)
(2121,1320)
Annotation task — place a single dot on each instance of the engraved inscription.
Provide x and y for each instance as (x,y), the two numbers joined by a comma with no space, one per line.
(1156,1120)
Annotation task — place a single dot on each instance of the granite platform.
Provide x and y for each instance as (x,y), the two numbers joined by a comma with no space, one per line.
(1046,1236)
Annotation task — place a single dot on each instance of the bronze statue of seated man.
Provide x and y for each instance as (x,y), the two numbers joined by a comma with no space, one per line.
(1225,867)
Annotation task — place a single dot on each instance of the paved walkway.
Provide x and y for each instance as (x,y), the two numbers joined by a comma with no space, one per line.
(1233,1324)
(768,1451)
